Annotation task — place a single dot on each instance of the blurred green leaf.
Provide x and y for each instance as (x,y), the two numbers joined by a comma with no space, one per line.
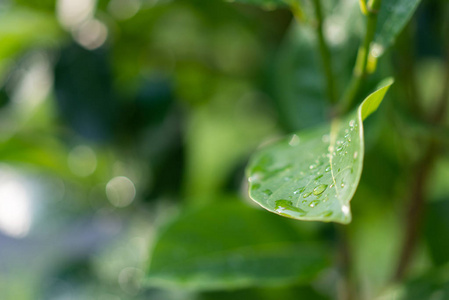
(437,231)
(393,16)
(313,174)
(298,78)
(433,285)
(229,245)
(222,133)
(268,4)
(20,28)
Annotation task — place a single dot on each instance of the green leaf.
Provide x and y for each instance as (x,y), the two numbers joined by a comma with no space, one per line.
(230,245)
(313,174)
(432,285)
(299,85)
(393,16)
(298,80)
(436,227)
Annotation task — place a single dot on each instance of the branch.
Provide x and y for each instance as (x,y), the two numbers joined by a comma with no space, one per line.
(325,53)
(360,69)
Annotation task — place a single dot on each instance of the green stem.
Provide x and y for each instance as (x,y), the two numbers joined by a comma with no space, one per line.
(325,53)
(360,69)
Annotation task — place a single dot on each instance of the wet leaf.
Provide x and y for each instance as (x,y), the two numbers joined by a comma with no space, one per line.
(313,174)
(230,245)
(393,17)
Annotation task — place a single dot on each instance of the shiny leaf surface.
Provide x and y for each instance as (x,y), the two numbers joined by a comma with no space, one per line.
(313,174)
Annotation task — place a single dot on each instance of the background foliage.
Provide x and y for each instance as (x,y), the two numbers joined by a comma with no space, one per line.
(126,126)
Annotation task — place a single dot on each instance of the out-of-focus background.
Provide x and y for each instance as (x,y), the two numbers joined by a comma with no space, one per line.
(112,114)
(117,114)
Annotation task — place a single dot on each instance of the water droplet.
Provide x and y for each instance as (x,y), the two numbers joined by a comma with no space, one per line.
(327,213)
(342,185)
(299,190)
(286,207)
(356,154)
(307,194)
(351,123)
(332,185)
(268,192)
(311,167)
(318,177)
(294,141)
(314,203)
(345,209)
(349,139)
(346,152)
(255,186)
(255,177)
(319,189)
(328,169)
(339,148)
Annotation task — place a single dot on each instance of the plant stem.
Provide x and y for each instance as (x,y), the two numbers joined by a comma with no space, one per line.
(347,290)
(360,69)
(415,213)
(417,200)
(325,53)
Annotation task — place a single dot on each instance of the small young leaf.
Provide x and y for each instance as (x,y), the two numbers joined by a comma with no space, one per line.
(230,245)
(313,174)
(393,16)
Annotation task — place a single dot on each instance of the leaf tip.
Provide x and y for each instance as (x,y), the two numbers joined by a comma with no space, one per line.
(372,102)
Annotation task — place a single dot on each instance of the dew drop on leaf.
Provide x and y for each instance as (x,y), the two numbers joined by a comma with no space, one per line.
(299,190)
(319,189)
(268,192)
(345,209)
(314,203)
(255,186)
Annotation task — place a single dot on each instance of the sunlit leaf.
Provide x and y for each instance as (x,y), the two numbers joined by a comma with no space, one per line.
(229,245)
(313,174)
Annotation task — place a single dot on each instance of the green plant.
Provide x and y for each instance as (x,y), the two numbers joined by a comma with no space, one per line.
(127,127)
(313,173)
